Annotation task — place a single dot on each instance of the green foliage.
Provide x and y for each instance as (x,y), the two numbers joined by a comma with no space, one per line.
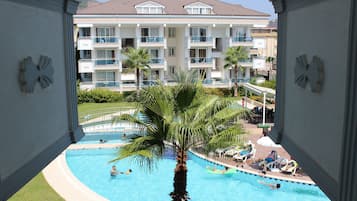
(269,84)
(233,55)
(98,96)
(222,92)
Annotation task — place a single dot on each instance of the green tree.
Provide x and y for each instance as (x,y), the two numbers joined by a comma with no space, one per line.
(232,58)
(186,118)
(139,60)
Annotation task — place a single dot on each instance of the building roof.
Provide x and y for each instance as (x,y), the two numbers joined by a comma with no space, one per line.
(172,7)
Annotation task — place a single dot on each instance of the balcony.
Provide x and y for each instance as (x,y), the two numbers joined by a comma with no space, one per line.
(157,63)
(107,64)
(85,66)
(152,41)
(248,63)
(201,62)
(106,41)
(85,43)
(111,84)
(201,41)
(241,41)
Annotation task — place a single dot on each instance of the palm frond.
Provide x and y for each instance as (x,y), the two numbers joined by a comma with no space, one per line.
(230,136)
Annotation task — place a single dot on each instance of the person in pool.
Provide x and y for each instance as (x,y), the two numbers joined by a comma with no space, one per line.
(273,186)
(113,171)
(217,170)
(129,171)
(102,141)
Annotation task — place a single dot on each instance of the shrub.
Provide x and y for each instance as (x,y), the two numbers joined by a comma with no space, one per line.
(98,96)
(223,92)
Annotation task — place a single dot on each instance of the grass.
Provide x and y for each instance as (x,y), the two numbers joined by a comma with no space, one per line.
(38,189)
(35,190)
(87,111)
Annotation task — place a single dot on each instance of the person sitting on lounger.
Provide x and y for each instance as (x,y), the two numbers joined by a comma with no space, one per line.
(271,157)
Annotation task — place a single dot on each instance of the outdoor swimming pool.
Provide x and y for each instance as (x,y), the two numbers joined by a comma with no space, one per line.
(91,167)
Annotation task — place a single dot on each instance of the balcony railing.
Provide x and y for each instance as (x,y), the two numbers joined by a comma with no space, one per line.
(106,84)
(201,39)
(242,39)
(250,60)
(152,39)
(106,61)
(196,60)
(156,61)
(105,39)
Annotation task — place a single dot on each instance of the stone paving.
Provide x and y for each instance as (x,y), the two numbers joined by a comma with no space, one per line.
(262,151)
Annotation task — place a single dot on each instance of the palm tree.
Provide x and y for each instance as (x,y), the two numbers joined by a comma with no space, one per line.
(186,118)
(139,60)
(233,56)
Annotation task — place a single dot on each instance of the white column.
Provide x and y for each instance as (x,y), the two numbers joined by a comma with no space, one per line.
(264,107)
(138,35)
(247,73)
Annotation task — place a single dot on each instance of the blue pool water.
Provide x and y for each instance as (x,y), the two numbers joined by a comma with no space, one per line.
(91,167)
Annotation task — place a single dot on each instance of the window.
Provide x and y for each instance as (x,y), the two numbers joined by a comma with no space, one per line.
(154,53)
(149,7)
(84,32)
(105,35)
(85,54)
(172,69)
(86,77)
(199,8)
(150,34)
(172,52)
(172,32)
(105,54)
(105,76)
(105,31)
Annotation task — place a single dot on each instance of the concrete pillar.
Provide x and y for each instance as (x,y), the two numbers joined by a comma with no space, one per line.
(247,73)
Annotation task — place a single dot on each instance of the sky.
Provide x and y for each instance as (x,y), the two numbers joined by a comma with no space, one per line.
(259,5)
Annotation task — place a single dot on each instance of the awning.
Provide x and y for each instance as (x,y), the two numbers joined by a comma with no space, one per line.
(259,90)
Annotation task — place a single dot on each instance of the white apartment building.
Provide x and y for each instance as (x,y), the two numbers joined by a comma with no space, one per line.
(180,34)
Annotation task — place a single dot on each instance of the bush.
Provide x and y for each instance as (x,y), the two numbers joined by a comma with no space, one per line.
(269,84)
(223,92)
(98,96)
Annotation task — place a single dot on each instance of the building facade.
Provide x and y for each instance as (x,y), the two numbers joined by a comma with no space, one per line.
(182,35)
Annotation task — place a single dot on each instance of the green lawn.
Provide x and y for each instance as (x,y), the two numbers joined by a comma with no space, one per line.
(87,111)
(36,190)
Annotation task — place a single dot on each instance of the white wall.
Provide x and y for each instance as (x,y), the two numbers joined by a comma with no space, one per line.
(317,119)
(29,122)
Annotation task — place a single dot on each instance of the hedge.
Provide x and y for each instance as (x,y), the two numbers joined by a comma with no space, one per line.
(99,96)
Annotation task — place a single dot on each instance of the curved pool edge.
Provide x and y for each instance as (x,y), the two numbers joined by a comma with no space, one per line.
(61,179)
(253,172)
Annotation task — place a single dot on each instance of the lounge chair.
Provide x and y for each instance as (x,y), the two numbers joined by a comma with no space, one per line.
(277,164)
(235,150)
(245,154)
(232,152)
(220,151)
(290,167)
(269,160)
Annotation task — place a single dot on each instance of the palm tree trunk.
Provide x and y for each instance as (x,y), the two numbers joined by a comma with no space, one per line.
(236,81)
(180,178)
(137,82)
